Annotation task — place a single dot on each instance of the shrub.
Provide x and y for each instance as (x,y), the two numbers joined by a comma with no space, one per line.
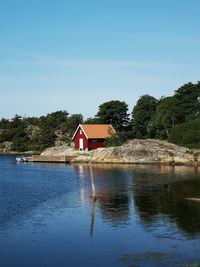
(113,141)
(187,134)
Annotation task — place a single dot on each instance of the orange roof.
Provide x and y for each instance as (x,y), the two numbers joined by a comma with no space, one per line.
(97,130)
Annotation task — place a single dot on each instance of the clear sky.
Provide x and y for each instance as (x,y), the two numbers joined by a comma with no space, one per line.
(77,54)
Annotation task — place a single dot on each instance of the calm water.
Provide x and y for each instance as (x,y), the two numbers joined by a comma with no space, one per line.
(141,216)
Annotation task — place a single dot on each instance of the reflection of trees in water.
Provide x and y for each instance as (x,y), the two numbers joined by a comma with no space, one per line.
(144,168)
(156,190)
(167,195)
(115,208)
(113,197)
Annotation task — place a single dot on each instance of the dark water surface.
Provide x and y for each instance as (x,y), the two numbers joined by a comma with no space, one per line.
(141,217)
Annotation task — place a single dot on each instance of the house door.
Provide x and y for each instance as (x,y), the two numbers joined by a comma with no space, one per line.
(81,143)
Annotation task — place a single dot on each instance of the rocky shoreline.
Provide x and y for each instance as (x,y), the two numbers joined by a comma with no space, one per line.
(137,151)
(6,149)
(15,153)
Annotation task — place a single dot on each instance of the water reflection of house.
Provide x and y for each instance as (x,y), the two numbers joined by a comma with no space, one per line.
(81,172)
(92,136)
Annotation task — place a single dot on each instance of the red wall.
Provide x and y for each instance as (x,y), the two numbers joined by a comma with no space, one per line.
(95,145)
(87,143)
(78,136)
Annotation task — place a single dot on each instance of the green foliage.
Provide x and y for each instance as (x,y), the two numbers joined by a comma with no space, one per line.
(6,135)
(157,119)
(4,123)
(142,115)
(70,125)
(46,138)
(187,100)
(193,265)
(36,134)
(91,121)
(114,112)
(164,118)
(125,135)
(113,141)
(187,134)
(56,118)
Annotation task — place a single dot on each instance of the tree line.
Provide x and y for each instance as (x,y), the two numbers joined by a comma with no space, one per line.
(36,134)
(175,118)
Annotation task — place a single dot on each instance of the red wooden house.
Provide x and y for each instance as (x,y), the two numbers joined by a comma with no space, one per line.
(92,136)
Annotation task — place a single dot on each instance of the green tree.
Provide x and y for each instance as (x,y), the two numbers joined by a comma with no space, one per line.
(142,115)
(165,117)
(113,141)
(55,119)
(21,131)
(47,138)
(91,121)
(187,100)
(187,134)
(114,112)
(17,121)
(20,139)
(72,122)
(4,123)
(31,121)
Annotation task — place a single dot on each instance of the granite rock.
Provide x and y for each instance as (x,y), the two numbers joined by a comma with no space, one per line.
(143,151)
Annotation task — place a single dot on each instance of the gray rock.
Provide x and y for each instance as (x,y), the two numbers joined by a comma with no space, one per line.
(32,131)
(143,151)
(6,147)
(63,150)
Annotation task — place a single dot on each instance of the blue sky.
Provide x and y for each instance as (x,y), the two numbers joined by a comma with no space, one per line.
(77,54)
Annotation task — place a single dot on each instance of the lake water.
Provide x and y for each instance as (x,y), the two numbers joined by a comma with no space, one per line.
(141,216)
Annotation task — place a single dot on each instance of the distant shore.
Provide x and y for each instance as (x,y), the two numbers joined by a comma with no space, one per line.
(15,153)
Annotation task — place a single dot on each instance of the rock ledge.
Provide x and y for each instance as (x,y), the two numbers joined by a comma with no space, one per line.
(143,151)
